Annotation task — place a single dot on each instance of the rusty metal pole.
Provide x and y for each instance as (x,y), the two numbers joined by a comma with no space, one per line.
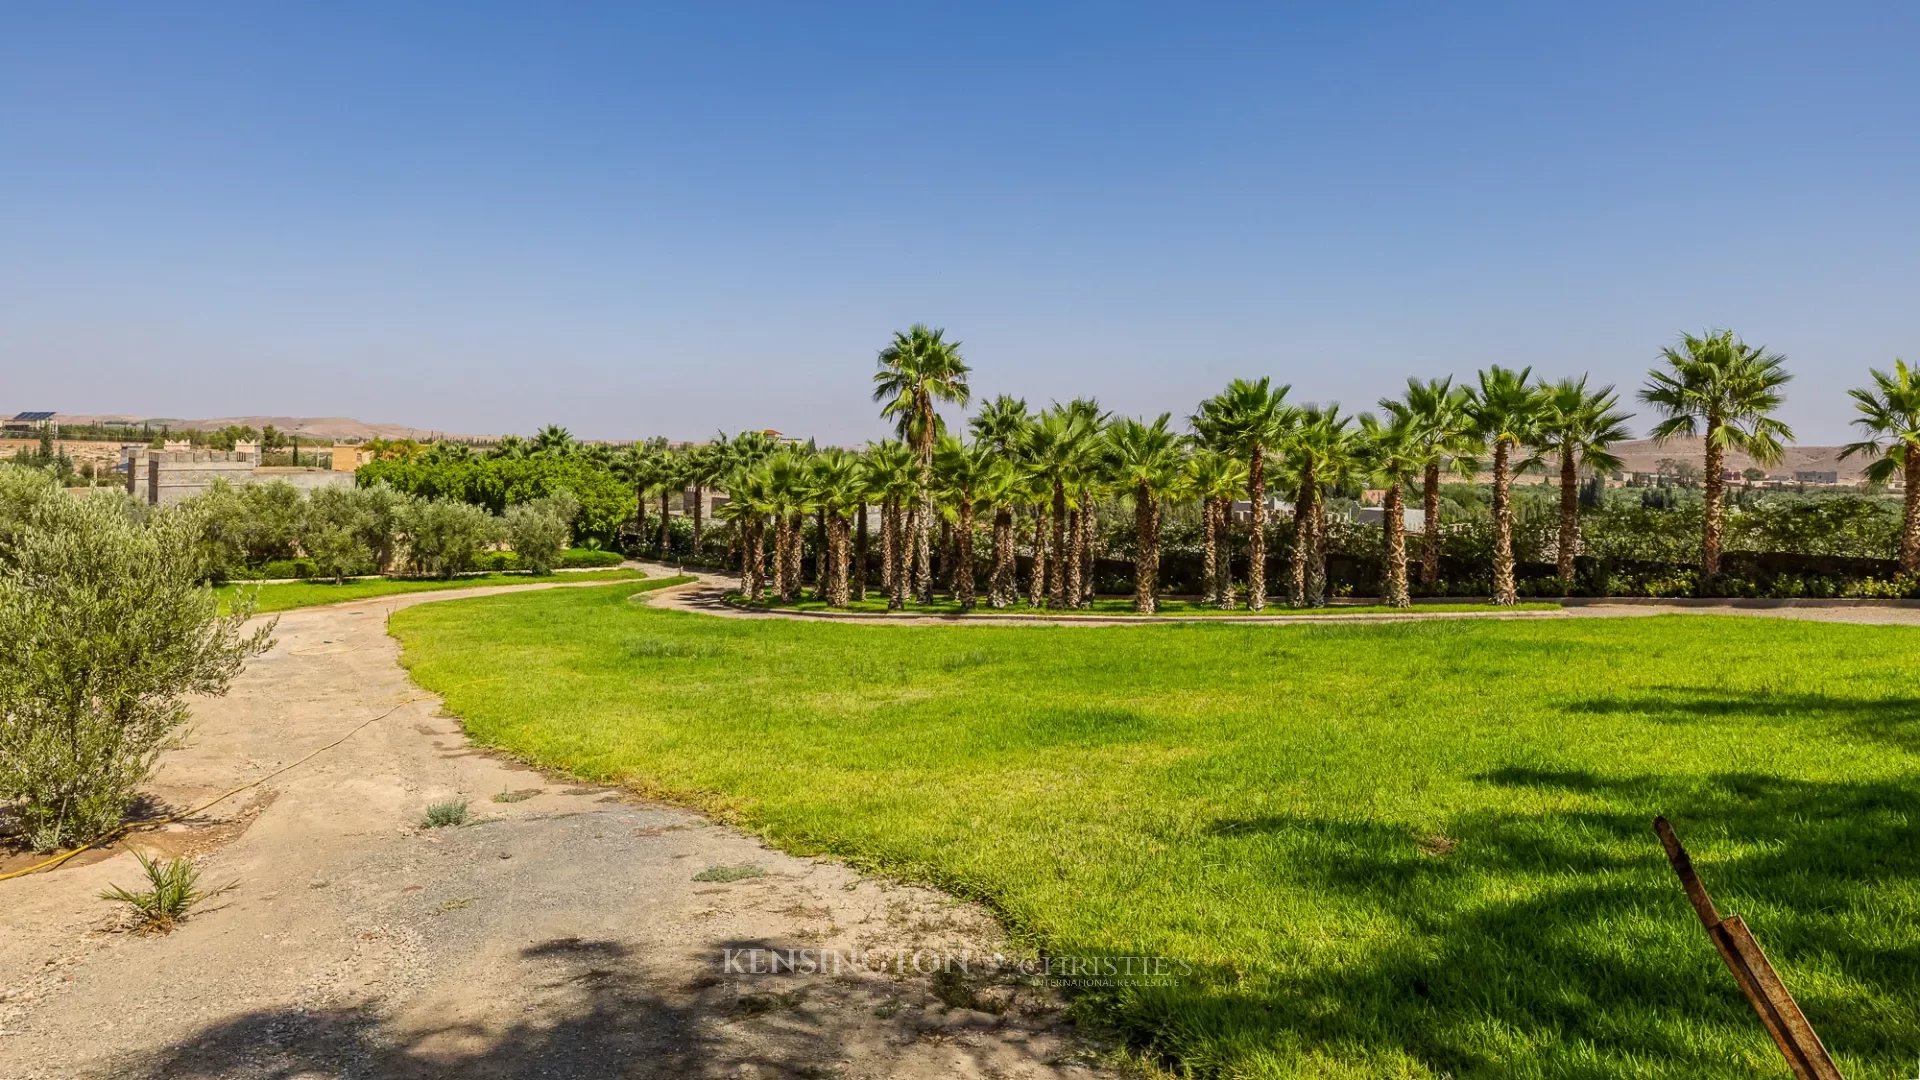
(1806,1055)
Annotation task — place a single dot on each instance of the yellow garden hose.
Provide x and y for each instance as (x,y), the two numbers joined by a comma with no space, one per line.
(131,825)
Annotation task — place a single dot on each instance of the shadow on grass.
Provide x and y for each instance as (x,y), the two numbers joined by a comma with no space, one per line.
(1558,943)
(1891,721)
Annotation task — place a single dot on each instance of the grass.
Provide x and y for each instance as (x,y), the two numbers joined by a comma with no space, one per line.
(1370,850)
(299,594)
(443,814)
(1114,605)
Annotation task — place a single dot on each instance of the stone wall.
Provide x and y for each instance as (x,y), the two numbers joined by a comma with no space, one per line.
(167,476)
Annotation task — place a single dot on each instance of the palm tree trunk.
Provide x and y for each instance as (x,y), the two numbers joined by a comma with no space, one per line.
(963,557)
(1086,550)
(1503,587)
(1000,589)
(1910,520)
(1070,580)
(1569,518)
(902,555)
(699,518)
(923,547)
(1209,554)
(889,524)
(1057,578)
(666,534)
(1396,521)
(1146,558)
(821,553)
(838,590)
(1430,527)
(1317,552)
(1257,540)
(1037,574)
(860,547)
(780,556)
(1302,539)
(1223,565)
(639,515)
(1710,518)
(754,572)
(796,551)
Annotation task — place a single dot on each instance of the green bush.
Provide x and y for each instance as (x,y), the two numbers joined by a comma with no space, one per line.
(105,628)
(445,538)
(589,558)
(539,531)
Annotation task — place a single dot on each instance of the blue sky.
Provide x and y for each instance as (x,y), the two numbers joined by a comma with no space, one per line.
(635,220)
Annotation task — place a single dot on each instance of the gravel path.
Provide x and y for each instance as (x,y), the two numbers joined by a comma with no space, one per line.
(562,935)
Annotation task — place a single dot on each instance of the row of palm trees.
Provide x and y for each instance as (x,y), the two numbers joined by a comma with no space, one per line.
(1037,480)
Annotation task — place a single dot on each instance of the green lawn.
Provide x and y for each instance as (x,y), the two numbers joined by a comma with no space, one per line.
(299,594)
(1387,850)
(1115,605)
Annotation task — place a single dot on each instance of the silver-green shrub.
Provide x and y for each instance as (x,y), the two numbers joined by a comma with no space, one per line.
(106,626)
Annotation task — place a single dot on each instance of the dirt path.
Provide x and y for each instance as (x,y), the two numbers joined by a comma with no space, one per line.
(706,595)
(564,935)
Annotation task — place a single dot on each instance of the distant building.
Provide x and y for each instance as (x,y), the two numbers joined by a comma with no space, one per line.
(1815,476)
(159,477)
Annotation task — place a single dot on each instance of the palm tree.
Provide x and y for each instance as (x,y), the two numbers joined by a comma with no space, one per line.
(669,473)
(891,475)
(1061,449)
(789,497)
(1320,454)
(748,503)
(1725,391)
(1392,453)
(1578,426)
(917,369)
(1250,419)
(1215,478)
(966,476)
(837,487)
(1146,462)
(1002,426)
(634,467)
(1437,410)
(1506,412)
(705,464)
(1890,416)
(553,441)
(509,446)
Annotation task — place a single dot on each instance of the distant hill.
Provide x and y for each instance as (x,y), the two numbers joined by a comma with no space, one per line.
(1643,455)
(331,428)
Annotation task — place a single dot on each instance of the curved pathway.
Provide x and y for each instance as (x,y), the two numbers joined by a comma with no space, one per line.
(563,934)
(707,595)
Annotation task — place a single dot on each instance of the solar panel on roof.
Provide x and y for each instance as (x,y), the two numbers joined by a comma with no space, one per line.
(34,416)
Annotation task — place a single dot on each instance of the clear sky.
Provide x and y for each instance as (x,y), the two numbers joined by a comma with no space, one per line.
(634,219)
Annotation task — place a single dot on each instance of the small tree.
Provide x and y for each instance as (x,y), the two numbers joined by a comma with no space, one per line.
(445,538)
(105,628)
(540,531)
(338,523)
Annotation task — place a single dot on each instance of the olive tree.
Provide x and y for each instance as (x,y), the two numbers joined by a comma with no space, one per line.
(446,537)
(540,530)
(105,628)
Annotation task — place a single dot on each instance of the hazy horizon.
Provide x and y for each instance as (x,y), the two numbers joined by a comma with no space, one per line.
(634,222)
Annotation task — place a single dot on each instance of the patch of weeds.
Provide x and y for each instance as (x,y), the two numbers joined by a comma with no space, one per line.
(442,814)
(952,989)
(730,873)
(962,661)
(762,1004)
(517,796)
(173,890)
(672,649)
(456,905)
